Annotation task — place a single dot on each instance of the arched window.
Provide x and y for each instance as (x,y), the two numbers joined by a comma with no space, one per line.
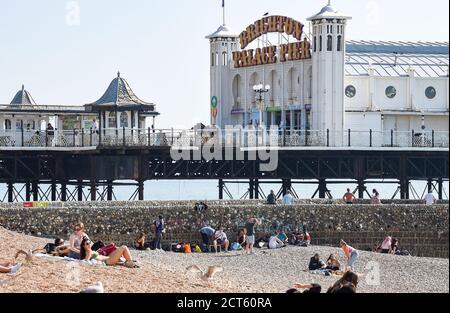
(224,58)
(320,43)
(339,43)
(123,119)
(7,124)
(212,59)
(315,43)
(237,90)
(19,124)
(112,120)
(329,43)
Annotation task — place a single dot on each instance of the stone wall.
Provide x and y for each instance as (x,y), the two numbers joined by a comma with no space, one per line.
(423,230)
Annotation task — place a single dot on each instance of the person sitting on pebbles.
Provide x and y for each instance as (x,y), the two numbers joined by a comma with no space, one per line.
(333,263)
(276,243)
(87,254)
(220,238)
(316,263)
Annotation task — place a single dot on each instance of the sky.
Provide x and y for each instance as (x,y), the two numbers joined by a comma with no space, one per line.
(67,52)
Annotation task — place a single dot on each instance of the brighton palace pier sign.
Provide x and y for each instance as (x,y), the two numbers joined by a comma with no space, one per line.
(268,55)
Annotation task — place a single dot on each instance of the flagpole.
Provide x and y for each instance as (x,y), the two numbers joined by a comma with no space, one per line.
(223,8)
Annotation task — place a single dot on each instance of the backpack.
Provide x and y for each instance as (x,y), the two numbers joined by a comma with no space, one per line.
(107,250)
(178,248)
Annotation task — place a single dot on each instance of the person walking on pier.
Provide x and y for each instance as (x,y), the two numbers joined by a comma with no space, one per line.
(349,197)
(159,231)
(50,134)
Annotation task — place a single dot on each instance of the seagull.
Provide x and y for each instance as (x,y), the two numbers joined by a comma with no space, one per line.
(95,288)
(28,255)
(212,270)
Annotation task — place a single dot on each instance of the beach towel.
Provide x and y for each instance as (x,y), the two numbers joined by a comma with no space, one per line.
(67,259)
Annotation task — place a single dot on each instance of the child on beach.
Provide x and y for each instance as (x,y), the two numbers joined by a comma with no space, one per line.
(87,254)
(351,254)
(250,226)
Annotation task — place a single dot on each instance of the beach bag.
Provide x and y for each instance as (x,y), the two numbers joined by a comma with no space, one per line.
(97,245)
(107,250)
(187,249)
(178,248)
(235,246)
(197,249)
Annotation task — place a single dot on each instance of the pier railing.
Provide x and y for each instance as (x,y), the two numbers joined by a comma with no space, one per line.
(177,138)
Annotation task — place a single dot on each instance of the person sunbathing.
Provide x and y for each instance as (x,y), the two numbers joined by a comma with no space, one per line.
(9,268)
(87,254)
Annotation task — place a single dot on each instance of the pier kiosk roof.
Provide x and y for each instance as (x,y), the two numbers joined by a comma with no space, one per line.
(120,97)
(23,97)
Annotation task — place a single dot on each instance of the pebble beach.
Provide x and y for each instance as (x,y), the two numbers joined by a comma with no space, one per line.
(268,271)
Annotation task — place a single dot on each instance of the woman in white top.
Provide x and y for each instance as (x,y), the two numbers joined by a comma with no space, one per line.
(275,243)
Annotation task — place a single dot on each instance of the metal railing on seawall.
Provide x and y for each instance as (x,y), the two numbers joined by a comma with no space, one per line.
(233,137)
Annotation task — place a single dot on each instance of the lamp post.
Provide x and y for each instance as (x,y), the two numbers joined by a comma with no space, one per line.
(260,90)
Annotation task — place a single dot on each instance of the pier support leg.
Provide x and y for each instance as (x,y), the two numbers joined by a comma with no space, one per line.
(63,192)
(361,189)
(27,191)
(404,186)
(287,186)
(141,190)
(109,192)
(10,192)
(93,191)
(251,189)
(440,189)
(322,188)
(430,184)
(35,191)
(221,185)
(256,186)
(80,191)
(53,192)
